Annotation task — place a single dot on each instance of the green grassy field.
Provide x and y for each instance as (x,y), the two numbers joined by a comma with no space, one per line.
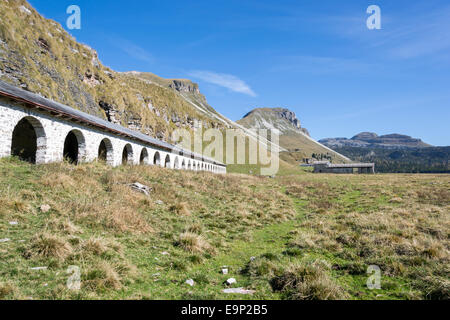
(297,236)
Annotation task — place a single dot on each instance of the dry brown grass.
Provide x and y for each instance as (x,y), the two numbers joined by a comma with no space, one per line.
(8,291)
(181,209)
(96,246)
(193,243)
(102,276)
(307,282)
(49,246)
(398,223)
(64,225)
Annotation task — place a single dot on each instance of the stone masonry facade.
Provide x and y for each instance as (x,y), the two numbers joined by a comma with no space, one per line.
(51,132)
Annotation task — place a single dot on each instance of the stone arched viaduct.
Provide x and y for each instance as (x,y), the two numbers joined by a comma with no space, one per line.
(39,130)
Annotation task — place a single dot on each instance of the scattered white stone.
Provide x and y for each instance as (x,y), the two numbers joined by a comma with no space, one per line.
(13,223)
(190,282)
(156,274)
(225,271)
(231,281)
(165,253)
(159,202)
(45,208)
(45,284)
(238,291)
(5,240)
(141,188)
(252,259)
(24,10)
(39,268)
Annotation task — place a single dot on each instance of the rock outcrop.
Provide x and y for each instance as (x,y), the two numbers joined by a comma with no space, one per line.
(289,116)
(185,86)
(295,139)
(276,118)
(38,55)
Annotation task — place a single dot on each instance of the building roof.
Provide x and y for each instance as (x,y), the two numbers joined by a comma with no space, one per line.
(55,108)
(344,165)
(352,165)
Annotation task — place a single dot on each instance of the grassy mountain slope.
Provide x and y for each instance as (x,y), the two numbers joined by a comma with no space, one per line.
(293,138)
(39,55)
(326,228)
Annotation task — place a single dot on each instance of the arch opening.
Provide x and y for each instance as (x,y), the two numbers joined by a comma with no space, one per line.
(183,165)
(29,141)
(144,157)
(167,162)
(127,155)
(105,151)
(74,147)
(157,159)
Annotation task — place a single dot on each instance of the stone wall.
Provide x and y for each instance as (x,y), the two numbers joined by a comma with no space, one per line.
(51,132)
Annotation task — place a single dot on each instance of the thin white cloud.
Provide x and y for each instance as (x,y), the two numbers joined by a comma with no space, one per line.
(422,32)
(228,81)
(132,50)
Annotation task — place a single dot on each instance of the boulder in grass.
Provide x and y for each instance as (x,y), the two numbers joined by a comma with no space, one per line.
(190,282)
(45,208)
(238,291)
(141,188)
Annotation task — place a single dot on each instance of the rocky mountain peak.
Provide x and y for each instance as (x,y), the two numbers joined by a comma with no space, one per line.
(289,116)
(184,86)
(281,119)
(365,136)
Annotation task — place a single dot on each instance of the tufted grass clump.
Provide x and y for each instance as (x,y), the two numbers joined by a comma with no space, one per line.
(181,209)
(102,276)
(193,243)
(307,282)
(49,246)
(261,267)
(8,291)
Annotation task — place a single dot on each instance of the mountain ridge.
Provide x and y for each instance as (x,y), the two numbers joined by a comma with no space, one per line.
(38,55)
(294,139)
(373,140)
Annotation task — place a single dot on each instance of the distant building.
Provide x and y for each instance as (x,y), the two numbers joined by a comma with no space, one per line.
(327,167)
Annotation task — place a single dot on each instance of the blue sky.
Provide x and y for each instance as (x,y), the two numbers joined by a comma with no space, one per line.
(317,58)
